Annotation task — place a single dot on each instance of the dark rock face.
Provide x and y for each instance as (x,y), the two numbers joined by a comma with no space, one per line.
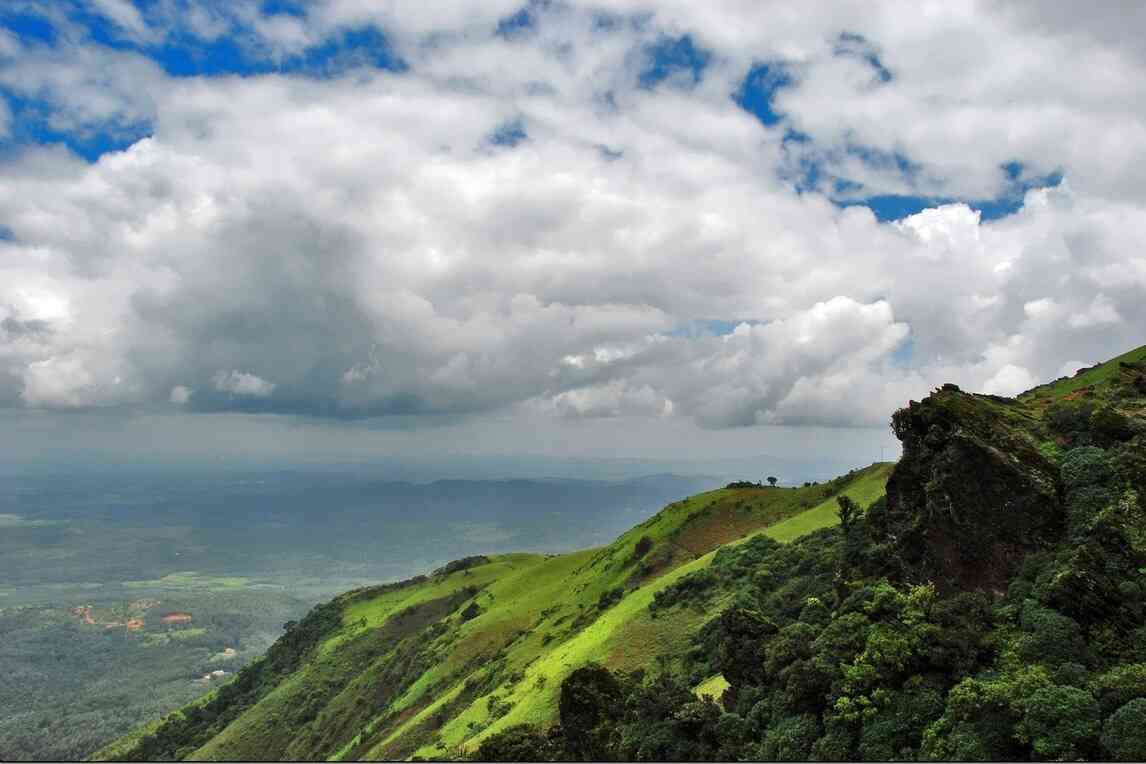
(971,494)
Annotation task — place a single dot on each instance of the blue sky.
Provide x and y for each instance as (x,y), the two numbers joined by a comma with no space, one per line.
(676,61)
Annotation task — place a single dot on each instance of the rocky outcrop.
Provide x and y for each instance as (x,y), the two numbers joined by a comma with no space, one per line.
(971,495)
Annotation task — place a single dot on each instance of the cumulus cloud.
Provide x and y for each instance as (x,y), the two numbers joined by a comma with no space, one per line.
(358,245)
(1010,380)
(234,382)
(612,399)
(90,90)
(787,370)
(56,382)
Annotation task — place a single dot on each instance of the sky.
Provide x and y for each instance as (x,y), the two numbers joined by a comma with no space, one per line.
(349,228)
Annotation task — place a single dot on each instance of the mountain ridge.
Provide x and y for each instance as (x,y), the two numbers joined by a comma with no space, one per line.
(483,657)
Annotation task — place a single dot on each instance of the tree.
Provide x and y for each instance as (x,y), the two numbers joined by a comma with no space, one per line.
(1062,722)
(1049,637)
(591,702)
(1125,732)
(848,511)
(772,481)
(519,743)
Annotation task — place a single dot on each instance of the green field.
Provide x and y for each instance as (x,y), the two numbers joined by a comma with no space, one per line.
(189,579)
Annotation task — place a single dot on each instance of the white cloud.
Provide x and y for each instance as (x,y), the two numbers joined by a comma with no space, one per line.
(613,398)
(1070,368)
(951,230)
(358,241)
(57,383)
(91,89)
(1101,311)
(238,383)
(1036,309)
(1010,380)
(9,44)
(125,15)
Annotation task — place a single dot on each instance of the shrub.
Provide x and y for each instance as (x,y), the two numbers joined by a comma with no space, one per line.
(791,739)
(815,612)
(497,707)
(1049,637)
(1061,722)
(1120,685)
(1086,466)
(610,598)
(691,589)
(792,643)
(518,743)
(1071,674)
(1084,504)
(1124,734)
(1109,426)
(741,637)
(1070,418)
(591,699)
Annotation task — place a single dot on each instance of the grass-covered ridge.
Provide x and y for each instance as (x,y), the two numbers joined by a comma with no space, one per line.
(1127,365)
(434,665)
(992,606)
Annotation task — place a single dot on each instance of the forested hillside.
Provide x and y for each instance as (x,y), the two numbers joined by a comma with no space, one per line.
(984,599)
(435,664)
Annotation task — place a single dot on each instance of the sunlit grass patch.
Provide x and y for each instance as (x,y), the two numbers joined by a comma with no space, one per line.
(863,491)
(713,687)
(190,579)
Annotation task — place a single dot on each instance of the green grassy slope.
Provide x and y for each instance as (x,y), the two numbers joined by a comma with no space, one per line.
(432,667)
(623,636)
(868,487)
(991,607)
(1100,375)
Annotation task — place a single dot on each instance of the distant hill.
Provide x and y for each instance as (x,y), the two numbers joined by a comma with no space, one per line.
(983,598)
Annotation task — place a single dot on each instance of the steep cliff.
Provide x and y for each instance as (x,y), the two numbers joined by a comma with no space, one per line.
(972,493)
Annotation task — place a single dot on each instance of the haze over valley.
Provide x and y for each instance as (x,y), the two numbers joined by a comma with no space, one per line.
(91,564)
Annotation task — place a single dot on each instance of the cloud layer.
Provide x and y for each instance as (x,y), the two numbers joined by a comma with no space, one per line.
(529,220)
